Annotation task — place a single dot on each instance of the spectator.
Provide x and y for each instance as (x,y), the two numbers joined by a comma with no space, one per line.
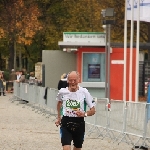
(21,77)
(12,78)
(63,82)
(32,78)
(2,85)
(18,75)
(27,75)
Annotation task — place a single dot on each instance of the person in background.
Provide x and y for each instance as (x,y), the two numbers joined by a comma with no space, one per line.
(12,78)
(2,85)
(18,75)
(27,75)
(73,100)
(62,82)
(32,78)
(21,77)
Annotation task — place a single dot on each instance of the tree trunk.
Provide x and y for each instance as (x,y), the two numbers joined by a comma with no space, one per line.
(11,56)
(15,55)
(20,60)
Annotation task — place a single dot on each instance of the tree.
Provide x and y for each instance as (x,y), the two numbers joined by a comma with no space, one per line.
(20,23)
(65,15)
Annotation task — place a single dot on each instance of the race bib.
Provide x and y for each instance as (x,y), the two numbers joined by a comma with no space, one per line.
(73,104)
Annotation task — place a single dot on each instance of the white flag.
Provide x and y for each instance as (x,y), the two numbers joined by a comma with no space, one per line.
(144,10)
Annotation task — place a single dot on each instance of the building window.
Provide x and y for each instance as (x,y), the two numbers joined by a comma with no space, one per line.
(93,67)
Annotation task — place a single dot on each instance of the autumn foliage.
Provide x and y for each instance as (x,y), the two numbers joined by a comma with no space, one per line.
(20,22)
(1,33)
(34,25)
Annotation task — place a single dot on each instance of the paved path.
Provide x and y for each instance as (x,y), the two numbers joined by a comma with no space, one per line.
(23,129)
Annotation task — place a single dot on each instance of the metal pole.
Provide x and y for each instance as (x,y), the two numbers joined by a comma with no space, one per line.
(131,51)
(108,74)
(106,63)
(137,54)
(125,53)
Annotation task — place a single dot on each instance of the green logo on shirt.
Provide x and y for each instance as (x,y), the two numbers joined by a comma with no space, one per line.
(73,104)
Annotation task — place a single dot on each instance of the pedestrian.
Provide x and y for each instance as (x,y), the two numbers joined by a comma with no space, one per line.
(18,74)
(73,100)
(12,78)
(32,79)
(2,85)
(22,80)
(63,82)
(21,77)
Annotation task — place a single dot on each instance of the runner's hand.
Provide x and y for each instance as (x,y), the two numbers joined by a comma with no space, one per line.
(80,113)
(57,122)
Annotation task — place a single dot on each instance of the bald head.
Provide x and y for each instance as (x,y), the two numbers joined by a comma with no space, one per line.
(73,80)
(73,73)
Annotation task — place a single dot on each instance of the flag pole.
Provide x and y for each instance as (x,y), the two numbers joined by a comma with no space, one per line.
(125,52)
(137,53)
(131,50)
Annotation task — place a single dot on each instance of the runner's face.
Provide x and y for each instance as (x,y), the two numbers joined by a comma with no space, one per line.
(73,81)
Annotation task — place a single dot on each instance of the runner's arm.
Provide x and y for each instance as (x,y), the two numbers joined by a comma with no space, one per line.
(59,104)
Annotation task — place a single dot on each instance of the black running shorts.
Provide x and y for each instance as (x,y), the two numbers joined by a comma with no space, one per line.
(68,135)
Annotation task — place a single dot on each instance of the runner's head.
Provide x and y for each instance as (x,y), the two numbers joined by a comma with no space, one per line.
(73,80)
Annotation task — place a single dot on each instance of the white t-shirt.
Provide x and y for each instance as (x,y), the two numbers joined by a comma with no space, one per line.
(31,78)
(18,76)
(73,101)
